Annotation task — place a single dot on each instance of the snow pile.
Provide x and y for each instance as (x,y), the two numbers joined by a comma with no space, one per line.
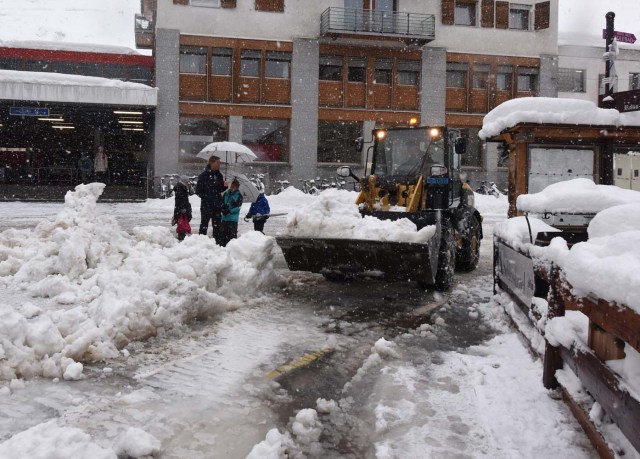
(307,428)
(607,265)
(515,231)
(273,446)
(539,110)
(382,350)
(491,209)
(579,195)
(137,443)
(330,217)
(99,287)
(49,440)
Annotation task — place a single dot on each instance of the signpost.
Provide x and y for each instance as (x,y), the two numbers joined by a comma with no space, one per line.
(622,37)
(28,111)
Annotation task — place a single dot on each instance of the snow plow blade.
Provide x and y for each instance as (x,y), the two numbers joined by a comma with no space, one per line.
(395,260)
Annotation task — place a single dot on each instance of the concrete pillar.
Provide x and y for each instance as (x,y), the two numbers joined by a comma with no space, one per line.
(433,86)
(548,76)
(235,129)
(166,133)
(304,108)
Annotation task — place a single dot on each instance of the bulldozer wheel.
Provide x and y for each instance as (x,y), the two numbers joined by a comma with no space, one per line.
(446,258)
(469,254)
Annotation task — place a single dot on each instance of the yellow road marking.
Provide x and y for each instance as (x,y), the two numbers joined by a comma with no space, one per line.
(297,364)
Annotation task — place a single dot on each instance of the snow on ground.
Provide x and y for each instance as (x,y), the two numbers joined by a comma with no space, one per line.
(99,287)
(492,209)
(550,110)
(335,215)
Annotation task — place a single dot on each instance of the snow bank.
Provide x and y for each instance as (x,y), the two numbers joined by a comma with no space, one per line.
(272,447)
(515,231)
(553,111)
(49,440)
(330,216)
(576,196)
(608,264)
(98,287)
(137,443)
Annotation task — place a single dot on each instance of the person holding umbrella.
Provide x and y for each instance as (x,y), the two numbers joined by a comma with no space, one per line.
(210,186)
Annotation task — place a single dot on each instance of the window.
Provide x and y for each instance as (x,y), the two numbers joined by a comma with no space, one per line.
(193,60)
(619,171)
(250,62)
(357,70)
(504,78)
(634,81)
(519,16)
(571,80)
(480,77)
(383,71)
(330,68)
(141,74)
(268,139)
(90,69)
(63,67)
(195,133)
(409,73)
(278,65)
(456,75)
(465,13)
(10,64)
(118,71)
(527,79)
(636,173)
(274,6)
(221,61)
(208,3)
(37,66)
(337,142)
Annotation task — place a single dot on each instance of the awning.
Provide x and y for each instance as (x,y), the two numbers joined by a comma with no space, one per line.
(57,87)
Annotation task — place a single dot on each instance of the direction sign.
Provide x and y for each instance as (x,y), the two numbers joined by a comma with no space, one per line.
(622,37)
(625,101)
(28,111)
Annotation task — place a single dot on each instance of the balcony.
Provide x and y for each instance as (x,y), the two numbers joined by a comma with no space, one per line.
(144,29)
(357,23)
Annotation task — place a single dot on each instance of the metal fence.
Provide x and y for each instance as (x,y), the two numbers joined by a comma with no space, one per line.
(358,21)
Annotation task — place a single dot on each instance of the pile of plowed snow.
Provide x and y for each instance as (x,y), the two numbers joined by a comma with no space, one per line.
(97,287)
(334,215)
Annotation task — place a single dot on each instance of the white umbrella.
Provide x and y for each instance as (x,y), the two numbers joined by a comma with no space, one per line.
(249,191)
(228,152)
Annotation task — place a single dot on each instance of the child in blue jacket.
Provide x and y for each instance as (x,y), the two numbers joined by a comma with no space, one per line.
(259,210)
(231,203)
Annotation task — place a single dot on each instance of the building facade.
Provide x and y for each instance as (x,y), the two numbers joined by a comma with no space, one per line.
(299,81)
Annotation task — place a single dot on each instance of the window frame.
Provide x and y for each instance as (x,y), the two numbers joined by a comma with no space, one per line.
(504,70)
(567,81)
(277,56)
(345,142)
(253,56)
(634,76)
(285,155)
(472,7)
(533,74)
(202,51)
(216,53)
(205,3)
(339,68)
(522,8)
(361,65)
(405,68)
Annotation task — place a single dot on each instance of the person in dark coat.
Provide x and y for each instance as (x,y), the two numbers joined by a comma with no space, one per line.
(232,201)
(182,190)
(85,167)
(257,211)
(209,188)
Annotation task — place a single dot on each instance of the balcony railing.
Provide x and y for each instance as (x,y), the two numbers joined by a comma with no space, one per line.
(413,26)
(144,29)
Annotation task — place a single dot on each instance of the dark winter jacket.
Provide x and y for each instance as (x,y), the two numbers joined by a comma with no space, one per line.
(210,188)
(260,207)
(182,193)
(232,201)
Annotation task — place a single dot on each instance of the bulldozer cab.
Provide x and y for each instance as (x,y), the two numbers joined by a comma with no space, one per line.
(425,156)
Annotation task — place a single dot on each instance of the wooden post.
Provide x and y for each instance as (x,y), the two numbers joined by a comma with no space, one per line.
(552,357)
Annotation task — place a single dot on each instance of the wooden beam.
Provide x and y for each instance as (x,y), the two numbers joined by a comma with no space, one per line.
(596,438)
(605,388)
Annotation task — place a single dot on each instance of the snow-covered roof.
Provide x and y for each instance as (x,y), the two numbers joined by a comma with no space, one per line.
(548,110)
(59,87)
(66,46)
